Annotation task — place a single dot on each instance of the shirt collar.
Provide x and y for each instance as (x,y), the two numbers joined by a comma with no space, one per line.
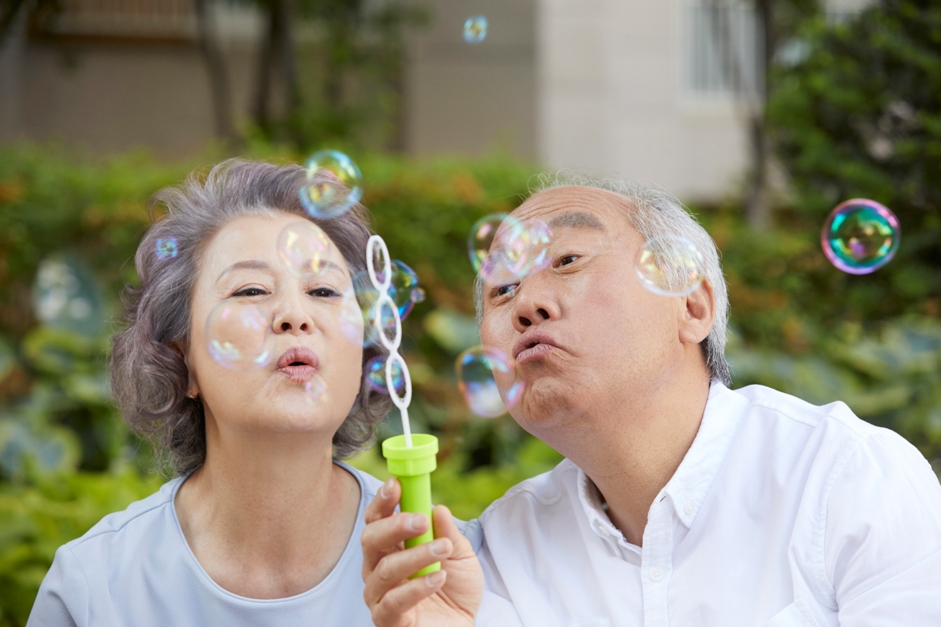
(697,472)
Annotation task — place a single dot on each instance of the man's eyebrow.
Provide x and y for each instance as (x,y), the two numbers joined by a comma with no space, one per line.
(256,264)
(576,219)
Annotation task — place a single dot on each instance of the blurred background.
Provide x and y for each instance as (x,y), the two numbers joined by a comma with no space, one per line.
(761,115)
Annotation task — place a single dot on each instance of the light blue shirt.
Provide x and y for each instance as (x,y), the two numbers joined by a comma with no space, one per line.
(135,568)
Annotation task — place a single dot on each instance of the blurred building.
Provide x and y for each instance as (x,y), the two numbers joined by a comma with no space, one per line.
(659,90)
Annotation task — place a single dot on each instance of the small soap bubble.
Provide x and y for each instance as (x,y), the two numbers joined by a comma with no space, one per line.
(860,236)
(334,184)
(475,29)
(239,336)
(315,391)
(670,266)
(480,241)
(376,375)
(304,248)
(166,248)
(477,370)
(404,288)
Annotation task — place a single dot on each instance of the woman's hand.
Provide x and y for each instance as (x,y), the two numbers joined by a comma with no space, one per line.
(447,598)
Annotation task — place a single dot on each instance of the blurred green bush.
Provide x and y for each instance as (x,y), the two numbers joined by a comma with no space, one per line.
(66,459)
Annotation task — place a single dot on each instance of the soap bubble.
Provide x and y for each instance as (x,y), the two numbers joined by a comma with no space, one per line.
(477,368)
(315,391)
(500,244)
(670,266)
(334,184)
(860,236)
(238,337)
(166,248)
(524,246)
(376,375)
(404,290)
(304,247)
(475,29)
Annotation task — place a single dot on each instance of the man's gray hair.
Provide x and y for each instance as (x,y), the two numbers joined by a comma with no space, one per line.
(149,379)
(657,213)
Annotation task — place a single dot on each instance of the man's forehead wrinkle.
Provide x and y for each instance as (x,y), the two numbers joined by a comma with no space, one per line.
(576,219)
(574,199)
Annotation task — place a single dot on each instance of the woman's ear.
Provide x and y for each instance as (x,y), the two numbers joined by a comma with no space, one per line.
(180,347)
(698,314)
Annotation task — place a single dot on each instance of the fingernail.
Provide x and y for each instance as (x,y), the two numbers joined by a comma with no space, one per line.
(435,578)
(386,488)
(438,548)
(415,522)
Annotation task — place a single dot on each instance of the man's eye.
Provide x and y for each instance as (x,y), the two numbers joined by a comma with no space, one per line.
(567,259)
(506,290)
(250,291)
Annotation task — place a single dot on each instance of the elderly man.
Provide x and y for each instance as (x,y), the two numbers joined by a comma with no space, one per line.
(680,501)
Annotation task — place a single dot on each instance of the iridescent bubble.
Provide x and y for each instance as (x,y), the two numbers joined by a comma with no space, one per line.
(334,184)
(304,247)
(239,336)
(166,248)
(315,391)
(480,241)
(376,375)
(670,266)
(404,289)
(475,29)
(477,371)
(418,295)
(524,246)
(860,236)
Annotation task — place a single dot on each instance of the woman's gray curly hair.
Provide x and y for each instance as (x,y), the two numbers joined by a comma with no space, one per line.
(148,378)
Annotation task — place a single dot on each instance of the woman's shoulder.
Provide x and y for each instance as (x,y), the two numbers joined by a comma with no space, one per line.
(368,484)
(136,522)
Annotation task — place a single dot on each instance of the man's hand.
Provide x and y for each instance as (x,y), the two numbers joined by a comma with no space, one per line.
(447,598)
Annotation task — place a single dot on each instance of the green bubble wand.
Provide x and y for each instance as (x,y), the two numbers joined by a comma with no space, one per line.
(411,458)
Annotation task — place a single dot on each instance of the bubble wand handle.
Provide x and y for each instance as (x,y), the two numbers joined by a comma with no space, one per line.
(411,458)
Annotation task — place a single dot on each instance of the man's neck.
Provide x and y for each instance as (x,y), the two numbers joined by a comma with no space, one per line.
(634,451)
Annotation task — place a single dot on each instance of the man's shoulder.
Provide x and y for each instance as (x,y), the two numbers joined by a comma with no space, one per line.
(837,416)
(536,493)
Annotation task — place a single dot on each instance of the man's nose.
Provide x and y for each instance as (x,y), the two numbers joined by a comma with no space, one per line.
(535,302)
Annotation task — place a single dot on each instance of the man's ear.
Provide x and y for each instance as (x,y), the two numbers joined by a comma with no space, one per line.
(698,314)
(179,347)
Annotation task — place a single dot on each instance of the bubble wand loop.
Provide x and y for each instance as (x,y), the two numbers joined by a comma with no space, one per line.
(410,458)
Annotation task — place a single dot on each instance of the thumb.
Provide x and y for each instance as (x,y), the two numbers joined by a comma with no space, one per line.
(445,527)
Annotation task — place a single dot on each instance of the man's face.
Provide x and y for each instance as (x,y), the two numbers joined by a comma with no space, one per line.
(585,333)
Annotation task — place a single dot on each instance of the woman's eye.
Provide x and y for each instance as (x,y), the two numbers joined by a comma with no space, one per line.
(567,259)
(324,292)
(250,291)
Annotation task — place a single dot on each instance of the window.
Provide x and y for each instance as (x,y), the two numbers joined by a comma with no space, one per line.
(723,49)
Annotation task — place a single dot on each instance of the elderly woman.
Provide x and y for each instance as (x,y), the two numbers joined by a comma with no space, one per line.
(262,524)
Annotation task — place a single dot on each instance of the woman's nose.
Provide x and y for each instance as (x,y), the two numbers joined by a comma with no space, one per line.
(291,316)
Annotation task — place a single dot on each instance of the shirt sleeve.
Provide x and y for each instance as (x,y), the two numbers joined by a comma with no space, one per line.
(63,596)
(882,542)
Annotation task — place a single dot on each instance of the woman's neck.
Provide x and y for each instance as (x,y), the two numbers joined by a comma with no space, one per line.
(268,515)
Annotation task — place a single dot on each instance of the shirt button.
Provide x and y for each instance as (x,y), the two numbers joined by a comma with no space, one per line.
(689,509)
(656,574)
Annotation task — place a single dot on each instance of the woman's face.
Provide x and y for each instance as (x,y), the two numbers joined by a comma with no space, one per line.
(242,275)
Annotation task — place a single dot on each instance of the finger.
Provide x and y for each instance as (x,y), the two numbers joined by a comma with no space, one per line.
(394,569)
(445,527)
(398,601)
(387,535)
(386,499)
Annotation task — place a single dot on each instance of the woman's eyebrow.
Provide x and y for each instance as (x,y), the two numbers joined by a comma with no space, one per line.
(576,219)
(256,264)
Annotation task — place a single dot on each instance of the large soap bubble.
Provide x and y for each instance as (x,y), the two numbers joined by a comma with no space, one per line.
(477,369)
(860,236)
(334,184)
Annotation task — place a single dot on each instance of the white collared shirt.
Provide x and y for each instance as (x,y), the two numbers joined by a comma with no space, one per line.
(781,514)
